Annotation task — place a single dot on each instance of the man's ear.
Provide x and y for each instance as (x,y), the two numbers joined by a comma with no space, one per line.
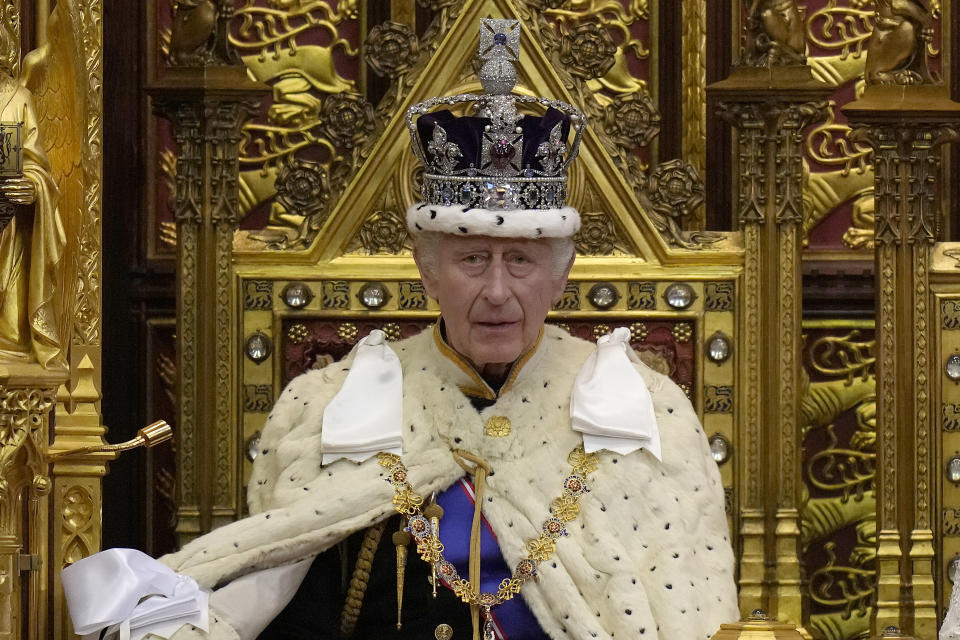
(427,276)
(561,282)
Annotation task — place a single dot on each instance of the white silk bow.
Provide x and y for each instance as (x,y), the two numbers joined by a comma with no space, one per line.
(611,405)
(127,591)
(365,417)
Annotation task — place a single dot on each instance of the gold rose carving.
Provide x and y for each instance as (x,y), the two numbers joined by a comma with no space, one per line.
(390,49)
(384,232)
(302,193)
(673,194)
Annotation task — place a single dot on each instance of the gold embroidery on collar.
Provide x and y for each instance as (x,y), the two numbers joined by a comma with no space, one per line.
(519,364)
(480,388)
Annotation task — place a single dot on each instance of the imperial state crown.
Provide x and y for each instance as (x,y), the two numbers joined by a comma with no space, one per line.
(497,171)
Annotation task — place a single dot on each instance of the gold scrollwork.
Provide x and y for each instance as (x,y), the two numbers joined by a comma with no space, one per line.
(848,471)
(846,29)
(850,588)
(10,16)
(22,415)
(272,31)
(847,356)
(841,476)
(313,108)
(829,144)
(589,43)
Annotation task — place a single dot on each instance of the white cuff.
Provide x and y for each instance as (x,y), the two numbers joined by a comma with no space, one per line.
(127,591)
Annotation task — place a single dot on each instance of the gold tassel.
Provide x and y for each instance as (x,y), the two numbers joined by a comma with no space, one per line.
(401,539)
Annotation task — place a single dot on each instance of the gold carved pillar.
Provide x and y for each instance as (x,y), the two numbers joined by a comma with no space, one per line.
(27,396)
(906,125)
(207,97)
(78,466)
(770,98)
(207,106)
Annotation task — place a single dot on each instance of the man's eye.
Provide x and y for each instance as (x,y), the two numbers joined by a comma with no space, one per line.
(473,259)
(519,260)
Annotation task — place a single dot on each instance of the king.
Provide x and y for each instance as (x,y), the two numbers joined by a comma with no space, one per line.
(493,477)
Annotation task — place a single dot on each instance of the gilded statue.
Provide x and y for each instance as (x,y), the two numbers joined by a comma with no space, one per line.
(897,51)
(774,34)
(32,245)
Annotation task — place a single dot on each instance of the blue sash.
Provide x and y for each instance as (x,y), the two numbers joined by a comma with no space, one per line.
(512,619)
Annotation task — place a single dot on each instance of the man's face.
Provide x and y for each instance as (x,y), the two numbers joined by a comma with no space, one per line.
(494,294)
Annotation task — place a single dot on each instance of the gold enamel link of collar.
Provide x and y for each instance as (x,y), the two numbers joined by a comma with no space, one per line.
(563,509)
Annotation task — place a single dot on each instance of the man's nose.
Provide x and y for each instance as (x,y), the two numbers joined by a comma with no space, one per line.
(497,287)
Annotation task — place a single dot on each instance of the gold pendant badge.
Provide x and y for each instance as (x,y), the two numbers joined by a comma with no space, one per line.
(497,427)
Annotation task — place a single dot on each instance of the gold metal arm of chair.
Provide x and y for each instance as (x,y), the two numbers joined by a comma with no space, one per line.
(149,436)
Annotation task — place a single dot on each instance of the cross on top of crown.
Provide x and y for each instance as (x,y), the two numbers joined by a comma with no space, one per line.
(499,39)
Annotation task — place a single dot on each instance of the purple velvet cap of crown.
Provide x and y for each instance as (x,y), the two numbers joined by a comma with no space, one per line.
(466,132)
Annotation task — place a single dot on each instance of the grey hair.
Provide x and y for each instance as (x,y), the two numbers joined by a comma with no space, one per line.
(427,246)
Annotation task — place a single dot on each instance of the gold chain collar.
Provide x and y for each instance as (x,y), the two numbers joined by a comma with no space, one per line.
(562,510)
